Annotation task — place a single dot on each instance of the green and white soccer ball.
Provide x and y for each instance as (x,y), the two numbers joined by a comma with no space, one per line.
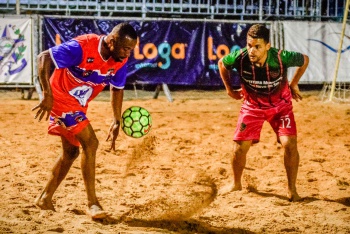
(136,121)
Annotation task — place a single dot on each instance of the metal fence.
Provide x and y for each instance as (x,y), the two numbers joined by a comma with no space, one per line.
(315,10)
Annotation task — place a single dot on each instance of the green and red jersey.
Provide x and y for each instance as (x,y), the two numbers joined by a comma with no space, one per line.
(266,86)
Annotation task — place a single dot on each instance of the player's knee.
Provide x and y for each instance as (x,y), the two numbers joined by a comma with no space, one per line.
(238,152)
(289,144)
(288,141)
(94,143)
(241,148)
(90,143)
(71,153)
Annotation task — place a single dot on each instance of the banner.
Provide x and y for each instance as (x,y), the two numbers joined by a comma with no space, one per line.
(171,52)
(320,41)
(15,51)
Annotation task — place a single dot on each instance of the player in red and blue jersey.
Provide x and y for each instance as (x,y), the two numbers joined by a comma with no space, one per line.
(267,96)
(84,66)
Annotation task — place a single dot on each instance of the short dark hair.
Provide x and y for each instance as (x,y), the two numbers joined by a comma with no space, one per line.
(259,31)
(125,30)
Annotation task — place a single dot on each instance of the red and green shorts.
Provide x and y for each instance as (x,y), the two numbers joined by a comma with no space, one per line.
(251,120)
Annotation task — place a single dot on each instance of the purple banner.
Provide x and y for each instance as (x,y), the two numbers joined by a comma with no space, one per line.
(171,52)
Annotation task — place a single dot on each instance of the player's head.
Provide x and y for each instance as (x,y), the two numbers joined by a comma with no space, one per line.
(259,31)
(122,40)
(258,43)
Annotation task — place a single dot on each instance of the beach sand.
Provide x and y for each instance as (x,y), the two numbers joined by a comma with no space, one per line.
(167,181)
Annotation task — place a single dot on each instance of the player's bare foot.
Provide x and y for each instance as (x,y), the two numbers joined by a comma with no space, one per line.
(229,188)
(96,212)
(294,197)
(44,204)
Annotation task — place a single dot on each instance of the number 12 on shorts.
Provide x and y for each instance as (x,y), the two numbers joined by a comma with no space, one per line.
(285,120)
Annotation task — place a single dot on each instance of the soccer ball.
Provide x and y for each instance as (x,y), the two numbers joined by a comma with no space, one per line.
(136,121)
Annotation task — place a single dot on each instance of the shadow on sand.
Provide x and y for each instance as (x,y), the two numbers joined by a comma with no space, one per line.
(186,226)
(344,200)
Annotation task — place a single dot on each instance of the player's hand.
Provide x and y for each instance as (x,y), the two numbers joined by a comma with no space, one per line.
(44,107)
(236,94)
(296,94)
(113,134)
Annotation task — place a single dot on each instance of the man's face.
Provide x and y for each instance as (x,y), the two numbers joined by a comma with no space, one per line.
(257,50)
(122,48)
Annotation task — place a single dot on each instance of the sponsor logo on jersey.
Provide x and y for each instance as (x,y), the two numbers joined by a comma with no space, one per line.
(90,60)
(87,73)
(82,94)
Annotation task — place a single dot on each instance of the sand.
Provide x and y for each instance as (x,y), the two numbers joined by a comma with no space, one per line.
(167,181)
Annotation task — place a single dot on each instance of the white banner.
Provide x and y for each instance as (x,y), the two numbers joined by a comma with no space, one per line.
(320,41)
(15,51)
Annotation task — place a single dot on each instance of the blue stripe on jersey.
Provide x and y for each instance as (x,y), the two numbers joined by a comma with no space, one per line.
(120,77)
(95,77)
(67,54)
(89,75)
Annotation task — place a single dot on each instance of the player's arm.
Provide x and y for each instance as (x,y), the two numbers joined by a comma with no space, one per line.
(116,103)
(117,93)
(225,75)
(44,67)
(64,55)
(296,77)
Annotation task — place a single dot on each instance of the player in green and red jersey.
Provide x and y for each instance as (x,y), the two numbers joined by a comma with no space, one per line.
(267,96)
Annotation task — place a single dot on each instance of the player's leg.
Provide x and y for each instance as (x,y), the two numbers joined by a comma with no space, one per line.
(284,126)
(249,125)
(58,173)
(291,163)
(89,143)
(238,163)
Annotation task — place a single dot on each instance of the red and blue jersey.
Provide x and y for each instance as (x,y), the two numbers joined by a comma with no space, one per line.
(81,73)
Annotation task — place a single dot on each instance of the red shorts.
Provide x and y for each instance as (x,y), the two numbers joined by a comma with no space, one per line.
(67,125)
(250,122)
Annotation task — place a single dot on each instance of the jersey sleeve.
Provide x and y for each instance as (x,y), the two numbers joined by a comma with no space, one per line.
(292,59)
(66,54)
(229,62)
(230,59)
(119,78)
